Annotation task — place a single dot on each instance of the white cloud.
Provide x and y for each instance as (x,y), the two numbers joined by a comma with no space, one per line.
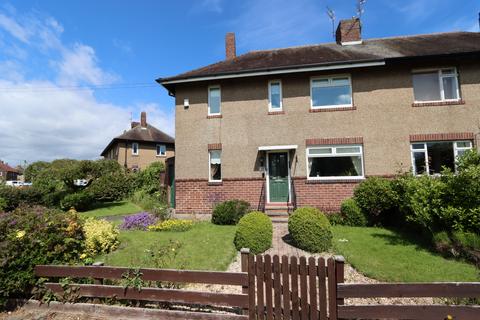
(80,65)
(40,118)
(39,124)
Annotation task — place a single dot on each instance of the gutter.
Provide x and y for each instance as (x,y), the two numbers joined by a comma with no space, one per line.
(373,63)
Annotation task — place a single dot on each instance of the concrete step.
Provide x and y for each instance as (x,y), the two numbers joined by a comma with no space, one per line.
(277,214)
(279,220)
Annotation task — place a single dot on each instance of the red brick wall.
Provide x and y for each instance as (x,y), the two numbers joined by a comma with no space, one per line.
(199,196)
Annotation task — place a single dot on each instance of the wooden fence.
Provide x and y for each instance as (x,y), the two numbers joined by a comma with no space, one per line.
(277,288)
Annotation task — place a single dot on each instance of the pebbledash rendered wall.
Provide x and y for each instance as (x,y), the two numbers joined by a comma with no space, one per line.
(383,119)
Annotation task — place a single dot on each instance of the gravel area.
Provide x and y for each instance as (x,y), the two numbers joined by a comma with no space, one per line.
(22,314)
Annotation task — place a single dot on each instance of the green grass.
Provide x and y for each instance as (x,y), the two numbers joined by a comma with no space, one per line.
(392,256)
(111,209)
(205,247)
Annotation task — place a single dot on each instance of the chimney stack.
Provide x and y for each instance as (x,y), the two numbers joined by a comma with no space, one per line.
(143,119)
(349,32)
(230,47)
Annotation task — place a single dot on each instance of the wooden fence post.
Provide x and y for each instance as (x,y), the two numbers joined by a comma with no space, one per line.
(244,253)
(97,281)
(339,274)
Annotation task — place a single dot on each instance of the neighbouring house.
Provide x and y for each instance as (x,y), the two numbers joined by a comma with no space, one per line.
(303,126)
(138,147)
(8,173)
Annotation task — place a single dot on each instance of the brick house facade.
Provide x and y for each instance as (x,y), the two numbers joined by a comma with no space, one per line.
(303,126)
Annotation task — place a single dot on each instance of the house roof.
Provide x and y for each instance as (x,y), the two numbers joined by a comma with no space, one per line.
(142,134)
(5,167)
(383,49)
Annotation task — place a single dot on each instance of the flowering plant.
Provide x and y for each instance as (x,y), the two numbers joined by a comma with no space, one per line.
(139,221)
(101,236)
(172,225)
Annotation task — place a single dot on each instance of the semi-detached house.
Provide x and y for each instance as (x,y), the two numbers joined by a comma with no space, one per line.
(303,126)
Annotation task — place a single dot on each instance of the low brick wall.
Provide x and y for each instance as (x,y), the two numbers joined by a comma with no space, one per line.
(200,196)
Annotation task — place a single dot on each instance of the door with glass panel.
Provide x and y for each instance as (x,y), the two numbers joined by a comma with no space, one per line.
(278,180)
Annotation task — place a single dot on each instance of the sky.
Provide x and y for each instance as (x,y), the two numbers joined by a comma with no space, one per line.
(73,73)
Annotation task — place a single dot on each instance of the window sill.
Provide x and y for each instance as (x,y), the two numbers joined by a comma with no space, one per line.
(214,116)
(438,103)
(350,108)
(273,113)
(135,155)
(330,181)
(215,183)
(161,156)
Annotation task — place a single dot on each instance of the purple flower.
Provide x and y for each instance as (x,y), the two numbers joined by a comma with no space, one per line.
(139,221)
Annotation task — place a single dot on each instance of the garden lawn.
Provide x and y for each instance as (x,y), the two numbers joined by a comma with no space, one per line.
(111,209)
(395,257)
(204,247)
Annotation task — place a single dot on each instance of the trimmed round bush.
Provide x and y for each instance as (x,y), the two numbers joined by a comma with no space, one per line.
(310,230)
(254,231)
(229,212)
(101,236)
(352,214)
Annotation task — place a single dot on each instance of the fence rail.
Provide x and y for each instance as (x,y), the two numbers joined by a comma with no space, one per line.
(277,288)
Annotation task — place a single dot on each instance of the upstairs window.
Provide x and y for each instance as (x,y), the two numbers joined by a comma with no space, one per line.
(331,92)
(161,150)
(275,95)
(436,85)
(215,168)
(214,100)
(135,148)
(431,157)
(335,162)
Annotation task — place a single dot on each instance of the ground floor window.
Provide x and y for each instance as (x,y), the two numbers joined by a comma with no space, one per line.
(431,157)
(215,168)
(342,161)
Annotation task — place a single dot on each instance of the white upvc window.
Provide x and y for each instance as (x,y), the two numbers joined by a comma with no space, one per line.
(275,95)
(436,85)
(335,162)
(331,92)
(431,157)
(161,150)
(215,166)
(214,100)
(135,148)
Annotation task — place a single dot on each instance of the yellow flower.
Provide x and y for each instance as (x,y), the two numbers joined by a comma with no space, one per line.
(449,317)
(173,249)
(83,256)
(20,234)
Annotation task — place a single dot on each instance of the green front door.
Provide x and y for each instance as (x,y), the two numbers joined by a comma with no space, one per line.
(278,176)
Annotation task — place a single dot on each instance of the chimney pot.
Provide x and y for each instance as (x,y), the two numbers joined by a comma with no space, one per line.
(230,47)
(349,32)
(143,119)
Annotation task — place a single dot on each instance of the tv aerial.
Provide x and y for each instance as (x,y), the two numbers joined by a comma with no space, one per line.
(360,9)
(331,15)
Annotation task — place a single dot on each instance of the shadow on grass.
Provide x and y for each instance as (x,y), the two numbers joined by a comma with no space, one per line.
(405,238)
(102,205)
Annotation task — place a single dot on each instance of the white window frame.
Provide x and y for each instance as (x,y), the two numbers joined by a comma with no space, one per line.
(159,148)
(440,80)
(270,108)
(133,149)
(335,154)
(220,92)
(210,164)
(425,151)
(330,78)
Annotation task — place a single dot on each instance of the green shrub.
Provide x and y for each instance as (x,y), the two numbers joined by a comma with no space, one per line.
(310,230)
(468,240)
(335,219)
(442,241)
(148,179)
(31,236)
(172,225)
(148,201)
(114,186)
(377,198)
(352,214)
(3,204)
(81,201)
(15,197)
(229,212)
(254,231)
(101,236)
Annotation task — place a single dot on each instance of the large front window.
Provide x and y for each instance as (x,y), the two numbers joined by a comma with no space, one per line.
(436,85)
(214,100)
(215,165)
(432,157)
(331,92)
(335,162)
